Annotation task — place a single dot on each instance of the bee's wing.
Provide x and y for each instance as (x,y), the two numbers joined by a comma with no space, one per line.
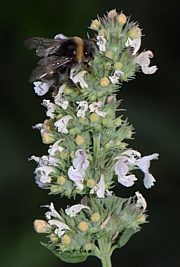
(44,46)
(48,65)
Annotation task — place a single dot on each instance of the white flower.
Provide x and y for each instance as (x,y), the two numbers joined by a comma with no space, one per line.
(82,108)
(94,107)
(79,78)
(135,43)
(141,202)
(44,160)
(101,42)
(132,156)
(61,124)
(51,107)
(76,176)
(55,147)
(127,180)
(41,88)
(143,60)
(115,78)
(99,188)
(121,169)
(38,126)
(80,161)
(60,36)
(52,212)
(144,164)
(59,100)
(60,227)
(73,210)
(76,172)
(132,159)
(44,173)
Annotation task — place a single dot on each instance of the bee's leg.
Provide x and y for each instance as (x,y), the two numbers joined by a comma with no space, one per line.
(55,84)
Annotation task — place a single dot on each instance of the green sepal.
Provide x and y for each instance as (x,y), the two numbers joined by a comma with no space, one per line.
(67,256)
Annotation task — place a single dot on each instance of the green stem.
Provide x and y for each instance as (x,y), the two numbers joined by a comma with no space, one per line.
(106,260)
(105,253)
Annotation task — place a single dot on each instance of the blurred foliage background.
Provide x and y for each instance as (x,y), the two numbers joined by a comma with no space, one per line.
(152,104)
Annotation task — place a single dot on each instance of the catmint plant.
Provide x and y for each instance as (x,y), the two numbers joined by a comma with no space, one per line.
(87,148)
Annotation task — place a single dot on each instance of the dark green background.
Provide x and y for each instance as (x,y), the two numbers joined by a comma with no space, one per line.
(152,104)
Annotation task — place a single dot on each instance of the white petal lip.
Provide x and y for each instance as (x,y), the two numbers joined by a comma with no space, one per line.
(116,76)
(143,59)
(82,108)
(101,42)
(61,124)
(144,162)
(55,147)
(60,225)
(141,202)
(59,100)
(41,88)
(60,36)
(80,161)
(127,180)
(136,44)
(76,176)
(149,180)
(79,78)
(75,209)
(94,107)
(99,188)
(51,107)
(52,212)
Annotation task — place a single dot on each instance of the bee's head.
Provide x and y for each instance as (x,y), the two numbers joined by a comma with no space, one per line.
(89,49)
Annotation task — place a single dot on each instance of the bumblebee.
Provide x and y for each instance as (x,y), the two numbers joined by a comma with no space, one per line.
(58,56)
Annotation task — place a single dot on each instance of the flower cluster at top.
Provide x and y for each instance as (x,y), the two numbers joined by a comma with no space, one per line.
(88,153)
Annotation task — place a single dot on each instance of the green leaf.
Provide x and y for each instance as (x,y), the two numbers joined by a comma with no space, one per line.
(126,235)
(67,256)
(73,257)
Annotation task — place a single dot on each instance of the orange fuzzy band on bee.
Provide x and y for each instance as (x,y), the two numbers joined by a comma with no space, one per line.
(79,49)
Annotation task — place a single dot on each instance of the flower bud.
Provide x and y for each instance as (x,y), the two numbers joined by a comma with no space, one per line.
(134,33)
(54,238)
(66,240)
(68,90)
(118,65)
(48,124)
(90,183)
(122,19)
(47,137)
(104,82)
(112,13)
(41,226)
(95,24)
(82,120)
(61,180)
(79,140)
(102,32)
(94,117)
(118,121)
(95,217)
(83,226)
